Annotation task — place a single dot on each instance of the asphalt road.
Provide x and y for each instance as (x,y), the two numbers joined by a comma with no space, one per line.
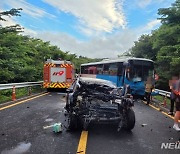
(21,131)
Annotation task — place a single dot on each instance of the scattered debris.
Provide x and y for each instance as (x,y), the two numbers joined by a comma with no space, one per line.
(144,125)
(48,120)
(46,127)
(57,127)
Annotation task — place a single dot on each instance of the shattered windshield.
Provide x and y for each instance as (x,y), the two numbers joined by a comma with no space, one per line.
(140,70)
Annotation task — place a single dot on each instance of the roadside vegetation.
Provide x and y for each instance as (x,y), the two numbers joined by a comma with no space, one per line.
(22,57)
(161,99)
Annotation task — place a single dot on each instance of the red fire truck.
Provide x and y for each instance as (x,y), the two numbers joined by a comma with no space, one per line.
(58,74)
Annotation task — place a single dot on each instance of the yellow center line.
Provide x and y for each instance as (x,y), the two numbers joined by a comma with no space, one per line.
(82,143)
(26,100)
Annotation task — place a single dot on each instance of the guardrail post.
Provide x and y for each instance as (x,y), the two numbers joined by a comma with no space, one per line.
(41,87)
(165,100)
(13,93)
(29,91)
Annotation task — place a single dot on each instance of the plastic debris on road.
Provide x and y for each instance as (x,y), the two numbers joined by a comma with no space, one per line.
(57,127)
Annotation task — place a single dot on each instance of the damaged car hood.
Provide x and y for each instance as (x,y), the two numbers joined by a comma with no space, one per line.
(97,85)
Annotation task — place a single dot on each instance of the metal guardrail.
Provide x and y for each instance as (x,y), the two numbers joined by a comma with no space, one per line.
(31,84)
(163,93)
(19,85)
(13,86)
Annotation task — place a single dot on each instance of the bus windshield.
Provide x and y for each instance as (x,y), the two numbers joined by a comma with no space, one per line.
(140,70)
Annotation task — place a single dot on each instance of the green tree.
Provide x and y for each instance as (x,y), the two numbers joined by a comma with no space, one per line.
(170,15)
(163,45)
(14,28)
(22,57)
(10,13)
(143,48)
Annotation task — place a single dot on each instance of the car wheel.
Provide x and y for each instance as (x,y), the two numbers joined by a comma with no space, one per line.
(72,122)
(130,120)
(85,125)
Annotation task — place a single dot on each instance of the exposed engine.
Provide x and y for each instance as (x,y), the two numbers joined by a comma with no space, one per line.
(92,102)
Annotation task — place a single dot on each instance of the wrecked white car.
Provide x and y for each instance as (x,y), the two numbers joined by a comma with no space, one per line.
(92,100)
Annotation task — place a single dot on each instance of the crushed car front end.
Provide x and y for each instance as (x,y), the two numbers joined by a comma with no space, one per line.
(98,101)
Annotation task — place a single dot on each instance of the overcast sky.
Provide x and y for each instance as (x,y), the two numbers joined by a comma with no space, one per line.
(92,28)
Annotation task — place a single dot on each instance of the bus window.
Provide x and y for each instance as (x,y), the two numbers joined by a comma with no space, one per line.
(120,69)
(100,69)
(135,73)
(92,70)
(113,69)
(141,70)
(106,69)
(84,69)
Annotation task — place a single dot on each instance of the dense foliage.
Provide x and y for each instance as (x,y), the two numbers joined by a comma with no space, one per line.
(163,45)
(22,57)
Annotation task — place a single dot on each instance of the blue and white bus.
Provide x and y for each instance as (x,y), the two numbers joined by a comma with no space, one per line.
(128,70)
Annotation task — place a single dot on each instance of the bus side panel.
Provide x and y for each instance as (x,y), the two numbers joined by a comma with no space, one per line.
(113,79)
(137,88)
(89,75)
(120,81)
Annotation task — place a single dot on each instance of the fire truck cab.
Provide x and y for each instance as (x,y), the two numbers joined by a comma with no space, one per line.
(58,74)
